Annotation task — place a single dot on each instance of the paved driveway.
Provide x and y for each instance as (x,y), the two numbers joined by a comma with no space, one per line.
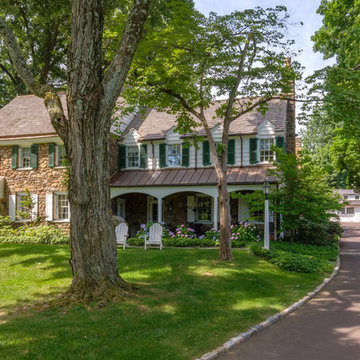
(326,328)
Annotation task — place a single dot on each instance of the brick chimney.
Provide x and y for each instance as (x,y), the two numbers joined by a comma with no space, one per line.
(290,135)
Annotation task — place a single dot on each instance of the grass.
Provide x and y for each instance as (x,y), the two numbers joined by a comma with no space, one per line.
(188,304)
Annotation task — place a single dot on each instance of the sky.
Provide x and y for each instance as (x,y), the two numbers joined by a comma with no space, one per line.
(300,10)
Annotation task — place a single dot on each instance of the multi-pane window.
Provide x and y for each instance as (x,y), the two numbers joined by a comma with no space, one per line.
(345,197)
(266,154)
(62,207)
(203,209)
(60,158)
(24,157)
(350,210)
(356,197)
(174,155)
(132,156)
(20,197)
(343,211)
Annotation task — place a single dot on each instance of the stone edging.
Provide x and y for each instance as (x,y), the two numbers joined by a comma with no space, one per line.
(269,321)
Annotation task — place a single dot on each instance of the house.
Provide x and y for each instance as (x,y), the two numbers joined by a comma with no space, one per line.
(351,210)
(158,174)
(164,176)
(32,157)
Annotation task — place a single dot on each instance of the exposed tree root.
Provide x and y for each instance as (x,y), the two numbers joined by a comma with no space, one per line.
(95,294)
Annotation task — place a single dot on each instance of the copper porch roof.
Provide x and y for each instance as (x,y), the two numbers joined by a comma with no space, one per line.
(180,177)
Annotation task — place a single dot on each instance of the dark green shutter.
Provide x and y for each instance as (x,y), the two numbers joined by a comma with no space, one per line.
(253,151)
(280,142)
(231,152)
(122,156)
(162,148)
(34,156)
(143,156)
(51,155)
(14,156)
(206,153)
(185,154)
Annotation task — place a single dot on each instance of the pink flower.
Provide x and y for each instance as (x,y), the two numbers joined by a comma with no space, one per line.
(182,235)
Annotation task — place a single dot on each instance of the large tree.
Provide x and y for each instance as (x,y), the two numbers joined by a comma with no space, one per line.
(42,28)
(339,85)
(91,96)
(239,57)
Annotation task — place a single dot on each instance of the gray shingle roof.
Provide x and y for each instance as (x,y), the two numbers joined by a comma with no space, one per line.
(155,124)
(26,116)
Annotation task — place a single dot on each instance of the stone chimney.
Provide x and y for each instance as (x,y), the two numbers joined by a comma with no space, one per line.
(290,135)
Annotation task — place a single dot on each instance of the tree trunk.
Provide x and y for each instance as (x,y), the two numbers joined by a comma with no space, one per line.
(225,219)
(92,237)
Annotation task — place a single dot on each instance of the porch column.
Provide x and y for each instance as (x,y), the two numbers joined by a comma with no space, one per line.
(216,212)
(159,210)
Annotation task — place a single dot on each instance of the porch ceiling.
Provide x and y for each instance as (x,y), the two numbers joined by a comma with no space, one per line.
(180,177)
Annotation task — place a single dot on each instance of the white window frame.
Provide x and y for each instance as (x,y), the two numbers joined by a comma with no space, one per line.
(127,156)
(350,211)
(168,155)
(34,212)
(56,217)
(196,205)
(22,158)
(272,156)
(58,159)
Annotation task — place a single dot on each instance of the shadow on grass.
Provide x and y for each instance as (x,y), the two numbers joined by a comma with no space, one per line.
(189,302)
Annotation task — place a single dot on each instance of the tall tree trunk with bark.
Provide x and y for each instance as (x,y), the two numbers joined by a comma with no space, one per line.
(225,219)
(91,97)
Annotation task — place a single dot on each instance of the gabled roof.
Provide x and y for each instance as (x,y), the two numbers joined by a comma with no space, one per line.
(26,117)
(154,125)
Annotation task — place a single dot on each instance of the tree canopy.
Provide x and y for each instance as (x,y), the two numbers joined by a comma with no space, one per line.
(339,85)
(239,57)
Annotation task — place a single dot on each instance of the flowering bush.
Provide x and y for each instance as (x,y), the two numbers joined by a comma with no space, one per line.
(243,233)
(212,234)
(182,232)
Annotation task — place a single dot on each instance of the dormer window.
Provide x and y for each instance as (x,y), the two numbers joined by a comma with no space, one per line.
(174,155)
(265,152)
(132,156)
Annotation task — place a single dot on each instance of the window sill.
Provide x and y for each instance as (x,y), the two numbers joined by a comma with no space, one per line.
(59,167)
(24,168)
(61,221)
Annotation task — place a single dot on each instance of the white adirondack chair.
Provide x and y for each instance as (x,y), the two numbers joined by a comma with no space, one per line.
(121,232)
(155,236)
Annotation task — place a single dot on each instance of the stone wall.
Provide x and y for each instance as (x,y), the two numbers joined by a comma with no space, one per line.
(40,181)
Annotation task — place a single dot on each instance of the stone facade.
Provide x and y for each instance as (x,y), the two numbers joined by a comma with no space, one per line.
(40,181)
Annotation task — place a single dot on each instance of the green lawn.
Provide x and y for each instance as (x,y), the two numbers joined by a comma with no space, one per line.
(188,304)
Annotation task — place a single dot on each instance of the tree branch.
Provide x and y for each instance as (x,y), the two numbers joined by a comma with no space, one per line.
(116,73)
(47,92)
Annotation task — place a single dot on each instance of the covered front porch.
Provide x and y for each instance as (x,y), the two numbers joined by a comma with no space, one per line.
(181,196)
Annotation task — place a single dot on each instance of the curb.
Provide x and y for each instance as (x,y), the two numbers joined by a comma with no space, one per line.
(270,320)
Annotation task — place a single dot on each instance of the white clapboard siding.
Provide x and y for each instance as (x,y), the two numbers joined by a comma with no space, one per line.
(246,156)
(12,207)
(49,207)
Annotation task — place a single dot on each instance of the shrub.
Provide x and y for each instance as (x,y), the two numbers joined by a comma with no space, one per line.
(182,232)
(318,234)
(5,221)
(135,241)
(243,233)
(295,262)
(212,234)
(293,259)
(43,234)
(329,253)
